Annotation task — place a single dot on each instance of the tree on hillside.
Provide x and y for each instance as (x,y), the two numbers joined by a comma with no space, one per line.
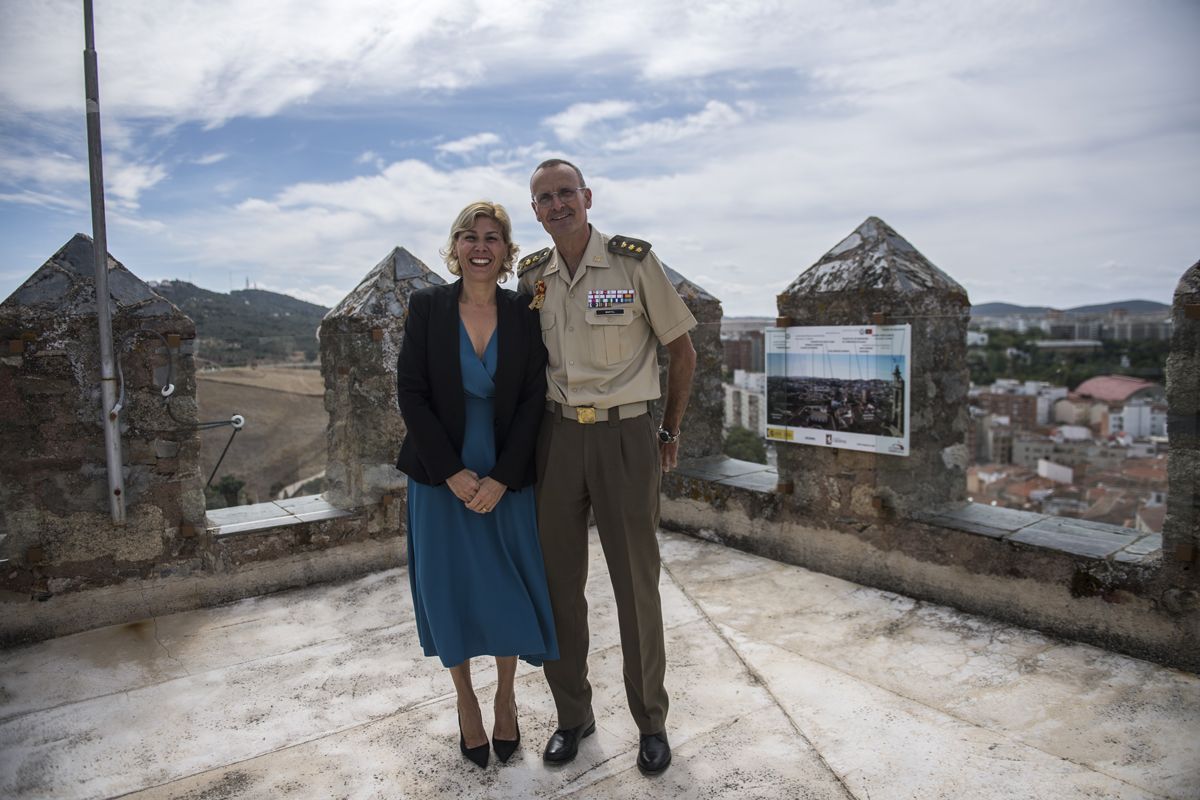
(745,445)
(1009,354)
(226,493)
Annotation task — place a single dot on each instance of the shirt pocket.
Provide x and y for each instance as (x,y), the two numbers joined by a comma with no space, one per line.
(612,335)
(549,337)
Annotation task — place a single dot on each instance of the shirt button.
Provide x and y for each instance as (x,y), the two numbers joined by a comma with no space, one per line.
(571,328)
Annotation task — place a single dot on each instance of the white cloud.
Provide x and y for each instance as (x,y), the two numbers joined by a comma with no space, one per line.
(714,116)
(125,181)
(1017,145)
(117,217)
(324,294)
(469,143)
(210,158)
(571,124)
(371,158)
(50,168)
(333,233)
(59,202)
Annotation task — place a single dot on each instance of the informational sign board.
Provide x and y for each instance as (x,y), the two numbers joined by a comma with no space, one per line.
(843,386)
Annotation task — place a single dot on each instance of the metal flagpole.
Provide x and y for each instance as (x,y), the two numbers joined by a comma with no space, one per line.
(108,378)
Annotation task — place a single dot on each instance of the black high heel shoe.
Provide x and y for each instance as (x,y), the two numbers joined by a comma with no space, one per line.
(506,747)
(477,755)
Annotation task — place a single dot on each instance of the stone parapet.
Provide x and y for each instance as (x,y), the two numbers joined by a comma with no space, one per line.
(1181,528)
(875,277)
(1097,584)
(703,422)
(360,342)
(244,551)
(56,530)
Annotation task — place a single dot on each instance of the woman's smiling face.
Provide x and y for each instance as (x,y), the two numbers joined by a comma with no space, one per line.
(481,250)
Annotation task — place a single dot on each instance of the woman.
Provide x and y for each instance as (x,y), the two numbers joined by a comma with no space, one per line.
(472,386)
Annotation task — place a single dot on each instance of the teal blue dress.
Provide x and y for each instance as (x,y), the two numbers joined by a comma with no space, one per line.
(478,581)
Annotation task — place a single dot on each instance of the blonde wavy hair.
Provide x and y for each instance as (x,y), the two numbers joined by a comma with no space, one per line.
(466,220)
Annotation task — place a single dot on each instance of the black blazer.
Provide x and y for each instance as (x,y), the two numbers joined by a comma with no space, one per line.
(430,391)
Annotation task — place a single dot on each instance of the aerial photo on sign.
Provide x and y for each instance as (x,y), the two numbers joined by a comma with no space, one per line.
(840,386)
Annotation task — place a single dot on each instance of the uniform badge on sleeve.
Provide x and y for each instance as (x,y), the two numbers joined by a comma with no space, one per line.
(539,295)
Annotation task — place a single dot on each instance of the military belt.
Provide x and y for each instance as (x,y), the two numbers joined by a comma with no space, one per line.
(586,415)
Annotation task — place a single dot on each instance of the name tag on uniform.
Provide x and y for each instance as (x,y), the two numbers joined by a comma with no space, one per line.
(606,298)
(605,312)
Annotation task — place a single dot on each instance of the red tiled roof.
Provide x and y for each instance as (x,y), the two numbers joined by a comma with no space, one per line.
(1111,388)
(1153,517)
(1151,470)
(1024,488)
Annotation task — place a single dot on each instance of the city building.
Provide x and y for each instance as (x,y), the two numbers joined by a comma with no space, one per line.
(1096,399)
(746,401)
(1028,404)
(1114,325)
(744,350)
(1138,420)
(994,438)
(1114,389)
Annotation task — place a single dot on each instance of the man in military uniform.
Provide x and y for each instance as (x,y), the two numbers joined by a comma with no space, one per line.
(605,305)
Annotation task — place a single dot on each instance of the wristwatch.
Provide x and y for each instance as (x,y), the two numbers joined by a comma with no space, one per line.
(666,437)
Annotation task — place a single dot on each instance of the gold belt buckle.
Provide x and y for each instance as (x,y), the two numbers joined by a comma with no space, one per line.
(586,415)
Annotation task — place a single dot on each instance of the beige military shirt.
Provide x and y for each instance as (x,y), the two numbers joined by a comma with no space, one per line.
(602,328)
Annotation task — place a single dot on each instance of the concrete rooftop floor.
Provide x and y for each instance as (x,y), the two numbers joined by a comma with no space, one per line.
(785,683)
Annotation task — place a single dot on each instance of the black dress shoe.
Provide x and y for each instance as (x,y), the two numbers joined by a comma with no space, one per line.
(477,755)
(564,744)
(506,747)
(654,753)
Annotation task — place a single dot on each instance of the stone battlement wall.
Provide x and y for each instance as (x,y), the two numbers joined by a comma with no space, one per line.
(897,523)
(56,531)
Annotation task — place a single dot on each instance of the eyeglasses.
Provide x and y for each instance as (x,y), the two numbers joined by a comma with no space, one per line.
(546,199)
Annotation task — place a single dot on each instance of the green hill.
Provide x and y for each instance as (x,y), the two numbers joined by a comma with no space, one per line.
(247,325)
(1132,306)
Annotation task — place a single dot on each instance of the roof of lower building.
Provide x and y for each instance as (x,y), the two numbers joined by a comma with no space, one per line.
(1113,388)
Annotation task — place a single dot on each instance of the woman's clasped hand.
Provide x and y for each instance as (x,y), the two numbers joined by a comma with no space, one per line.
(480,496)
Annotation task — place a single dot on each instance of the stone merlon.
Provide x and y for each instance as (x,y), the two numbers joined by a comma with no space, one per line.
(876,258)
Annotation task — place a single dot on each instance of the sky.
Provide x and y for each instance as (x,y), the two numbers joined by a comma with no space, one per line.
(845,367)
(1040,153)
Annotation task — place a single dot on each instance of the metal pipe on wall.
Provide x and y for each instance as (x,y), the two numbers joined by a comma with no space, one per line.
(108,377)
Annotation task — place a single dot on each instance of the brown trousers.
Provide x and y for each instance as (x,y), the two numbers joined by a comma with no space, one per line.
(611,467)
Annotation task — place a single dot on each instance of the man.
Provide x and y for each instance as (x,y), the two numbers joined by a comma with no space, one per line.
(605,304)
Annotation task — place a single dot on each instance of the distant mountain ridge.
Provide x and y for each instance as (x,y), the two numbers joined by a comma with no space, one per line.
(1008,309)
(246,324)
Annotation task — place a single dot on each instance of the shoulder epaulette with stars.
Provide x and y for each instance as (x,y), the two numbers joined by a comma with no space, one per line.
(533,260)
(628,246)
